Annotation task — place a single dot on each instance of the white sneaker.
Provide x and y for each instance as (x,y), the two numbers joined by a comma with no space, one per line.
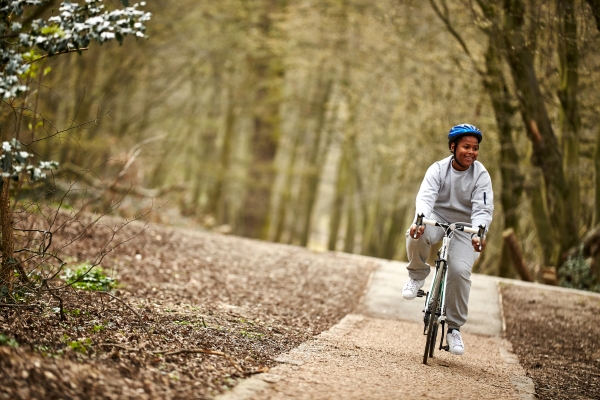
(455,343)
(411,288)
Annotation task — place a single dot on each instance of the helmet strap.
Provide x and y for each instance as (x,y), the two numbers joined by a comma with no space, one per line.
(454,154)
(455,159)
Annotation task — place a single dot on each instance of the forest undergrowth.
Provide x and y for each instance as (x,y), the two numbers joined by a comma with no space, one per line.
(191,313)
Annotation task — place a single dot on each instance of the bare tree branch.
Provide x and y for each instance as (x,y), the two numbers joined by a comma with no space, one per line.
(444,16)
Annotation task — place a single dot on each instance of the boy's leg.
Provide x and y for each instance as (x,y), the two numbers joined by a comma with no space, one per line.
(461,258)
(417,252)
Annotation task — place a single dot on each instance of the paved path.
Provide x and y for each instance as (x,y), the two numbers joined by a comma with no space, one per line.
(377,353)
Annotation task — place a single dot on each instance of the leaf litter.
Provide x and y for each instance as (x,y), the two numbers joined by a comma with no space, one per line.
(193,312)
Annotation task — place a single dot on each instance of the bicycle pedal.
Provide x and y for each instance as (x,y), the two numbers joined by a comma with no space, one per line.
(446,347)
(421,293)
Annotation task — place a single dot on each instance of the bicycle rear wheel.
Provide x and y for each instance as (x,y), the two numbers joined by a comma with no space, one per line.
(433,321)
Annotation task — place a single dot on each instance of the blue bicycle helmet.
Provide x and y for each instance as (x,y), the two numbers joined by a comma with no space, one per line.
(461,130)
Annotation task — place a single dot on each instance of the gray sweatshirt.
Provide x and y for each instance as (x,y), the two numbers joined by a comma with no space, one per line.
(457,196)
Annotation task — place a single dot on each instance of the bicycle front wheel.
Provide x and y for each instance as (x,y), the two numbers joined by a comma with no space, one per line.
(433,320)
(433,342)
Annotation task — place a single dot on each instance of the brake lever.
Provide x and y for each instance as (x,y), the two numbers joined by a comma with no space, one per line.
(419,223)
(481,234)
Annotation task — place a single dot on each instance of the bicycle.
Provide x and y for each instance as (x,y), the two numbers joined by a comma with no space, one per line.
(435,299)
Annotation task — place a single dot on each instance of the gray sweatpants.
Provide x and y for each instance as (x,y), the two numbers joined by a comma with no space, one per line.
(461,258)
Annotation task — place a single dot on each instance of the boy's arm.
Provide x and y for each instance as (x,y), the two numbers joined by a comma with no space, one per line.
(482,202)
(428,193)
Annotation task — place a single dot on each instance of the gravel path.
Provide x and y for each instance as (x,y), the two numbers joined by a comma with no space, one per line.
(378,354)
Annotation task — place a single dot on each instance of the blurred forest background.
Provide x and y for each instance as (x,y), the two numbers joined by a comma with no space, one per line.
(313,122)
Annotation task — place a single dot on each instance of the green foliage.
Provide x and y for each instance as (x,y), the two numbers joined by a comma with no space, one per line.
(5,340)
(80,346)
(87,278)
(74,313)
(575,273)
(251,335)
(72,28)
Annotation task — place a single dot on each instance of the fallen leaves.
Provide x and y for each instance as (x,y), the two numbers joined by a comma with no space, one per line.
(193,314)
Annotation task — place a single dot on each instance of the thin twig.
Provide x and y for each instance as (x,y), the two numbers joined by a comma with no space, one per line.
(23,306)
(201,351)
(56,54)
(60,300)
(446,20)
(118,346)
(133,311)
(180,351)
(72,127)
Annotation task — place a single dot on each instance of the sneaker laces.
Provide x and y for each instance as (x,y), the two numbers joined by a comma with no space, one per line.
(412,284)
(457,339)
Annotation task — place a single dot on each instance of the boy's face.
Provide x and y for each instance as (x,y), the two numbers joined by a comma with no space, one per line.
(465,151)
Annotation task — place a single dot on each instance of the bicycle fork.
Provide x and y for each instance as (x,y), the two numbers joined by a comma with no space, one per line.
(442,318)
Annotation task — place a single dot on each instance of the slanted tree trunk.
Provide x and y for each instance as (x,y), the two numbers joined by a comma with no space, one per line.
(516,255)
(595,4)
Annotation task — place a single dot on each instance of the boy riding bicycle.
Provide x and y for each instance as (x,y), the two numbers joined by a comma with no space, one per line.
(457,188)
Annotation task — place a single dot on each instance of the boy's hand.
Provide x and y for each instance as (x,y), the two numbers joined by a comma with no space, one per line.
(475,241)
(416,232)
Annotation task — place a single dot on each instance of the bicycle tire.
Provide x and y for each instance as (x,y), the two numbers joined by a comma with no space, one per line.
(433,338)
(433,305)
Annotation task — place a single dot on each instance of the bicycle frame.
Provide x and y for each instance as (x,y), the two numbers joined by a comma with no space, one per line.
(435,308)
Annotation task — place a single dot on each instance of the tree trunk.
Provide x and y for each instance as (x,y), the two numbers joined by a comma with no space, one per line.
(7,245)
(395,231)
(517,257)
(267,70)
(338,199)
(371,240)
(512,178)
(216,200)
(595,4)
(286,192)
(597,180)
(540,219)
(546,153)
(350,236)
(316,158)
(570,120)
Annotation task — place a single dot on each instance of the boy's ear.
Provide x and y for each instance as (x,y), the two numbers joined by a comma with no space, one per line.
(452,144)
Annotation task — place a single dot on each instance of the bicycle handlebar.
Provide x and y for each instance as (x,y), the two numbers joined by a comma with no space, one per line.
(480,231)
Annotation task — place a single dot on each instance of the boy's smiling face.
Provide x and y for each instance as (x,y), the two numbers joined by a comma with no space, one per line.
(465,152)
